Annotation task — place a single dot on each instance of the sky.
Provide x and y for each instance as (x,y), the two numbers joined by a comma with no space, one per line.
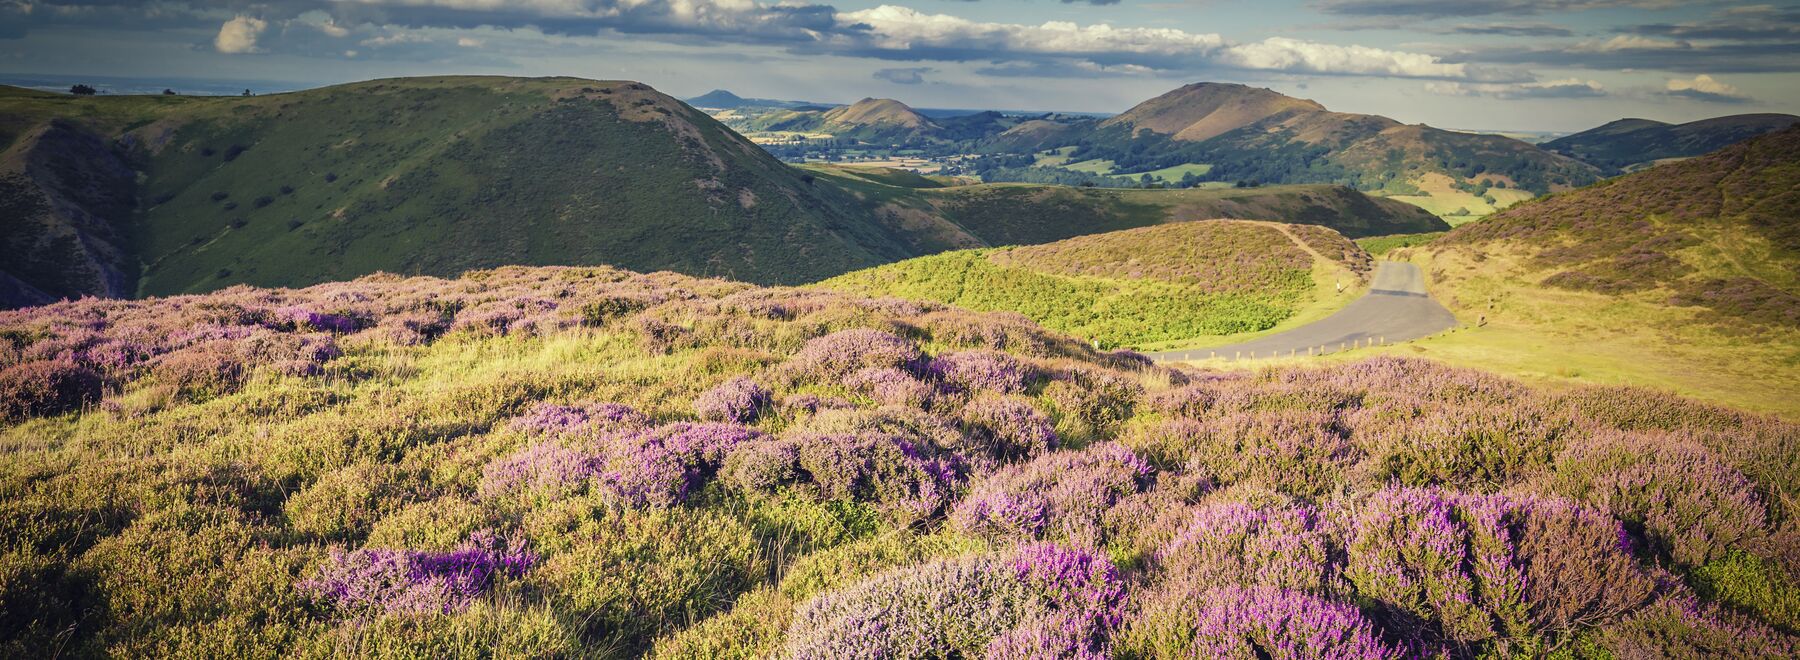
(1538,65)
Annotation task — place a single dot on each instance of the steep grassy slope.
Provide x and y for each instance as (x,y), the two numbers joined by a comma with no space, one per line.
(1629,143)
(1178,282)
(591,463)
(1686,276)
(1024,214)
(439,175)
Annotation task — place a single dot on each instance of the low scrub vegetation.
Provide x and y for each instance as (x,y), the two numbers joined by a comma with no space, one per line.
(594,463)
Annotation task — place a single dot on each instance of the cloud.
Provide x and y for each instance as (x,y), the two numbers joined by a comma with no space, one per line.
(1442,9)
(1508,30)
(1293,55)
(1705,88)
(239,34)
(1629,42)
(1567,88)
(904,76)
(903,33)
(469,42)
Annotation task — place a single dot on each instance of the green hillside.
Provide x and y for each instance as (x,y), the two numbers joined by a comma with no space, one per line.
(123,196)
(441,175)
(1027,214)
(1169,283)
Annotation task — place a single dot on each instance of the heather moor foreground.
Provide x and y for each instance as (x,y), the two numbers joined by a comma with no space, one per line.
(563,462)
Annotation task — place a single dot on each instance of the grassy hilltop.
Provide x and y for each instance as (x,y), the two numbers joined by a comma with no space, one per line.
(1182,282)
(1686,276)
(560,462)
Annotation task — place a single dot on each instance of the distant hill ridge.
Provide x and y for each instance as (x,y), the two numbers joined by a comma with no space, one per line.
(1628,143)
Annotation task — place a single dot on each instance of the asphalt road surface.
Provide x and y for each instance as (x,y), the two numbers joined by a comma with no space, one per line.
(1396,309)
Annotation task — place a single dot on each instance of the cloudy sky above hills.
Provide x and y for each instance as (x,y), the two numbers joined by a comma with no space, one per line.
(1503,64)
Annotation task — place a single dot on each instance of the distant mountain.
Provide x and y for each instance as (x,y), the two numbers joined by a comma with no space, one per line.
(876,121)
(1247,133)
(720,99)
(1717,231)
(1630,143)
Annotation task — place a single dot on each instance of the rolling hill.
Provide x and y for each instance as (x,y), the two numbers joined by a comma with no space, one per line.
(1250,134)
(1628,144)
(1177,282)
(123,196)
(1025,214)
(725,100)
(1686,276)
(428,175)
(875,121)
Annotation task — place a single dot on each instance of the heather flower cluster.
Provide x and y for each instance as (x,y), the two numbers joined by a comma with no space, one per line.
(1042,601)
(738,400)
(800,473)
(636,467)
(1061,496)
(378,580)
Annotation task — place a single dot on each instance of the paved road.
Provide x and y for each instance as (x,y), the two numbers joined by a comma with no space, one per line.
(1396,309)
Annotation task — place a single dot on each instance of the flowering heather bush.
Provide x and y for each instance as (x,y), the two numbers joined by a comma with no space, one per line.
(1691,505)
(200,373)
(885,469)
(549,419)
(545,467)
(890,387)
(842,353)
(968,606)
(306,318)
(1466,568)
(1060,496)
(378,580)
(981,371)
(1684,627)
(1472,446)
(44,387)
(1235,543)
(737,400)
(1279,624)
(1007,428)
(1299,452)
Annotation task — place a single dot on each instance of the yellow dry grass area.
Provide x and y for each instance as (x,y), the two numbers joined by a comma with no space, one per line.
(1567,337)
(915,164)
(1442,199)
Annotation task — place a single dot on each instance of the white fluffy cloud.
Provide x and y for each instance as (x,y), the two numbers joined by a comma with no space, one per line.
(904,28)
(1284,54)
(896,30)
(1705,88)
(1704,84)
(239,34)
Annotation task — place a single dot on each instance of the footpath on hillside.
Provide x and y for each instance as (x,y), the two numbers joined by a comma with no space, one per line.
(1396,309)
